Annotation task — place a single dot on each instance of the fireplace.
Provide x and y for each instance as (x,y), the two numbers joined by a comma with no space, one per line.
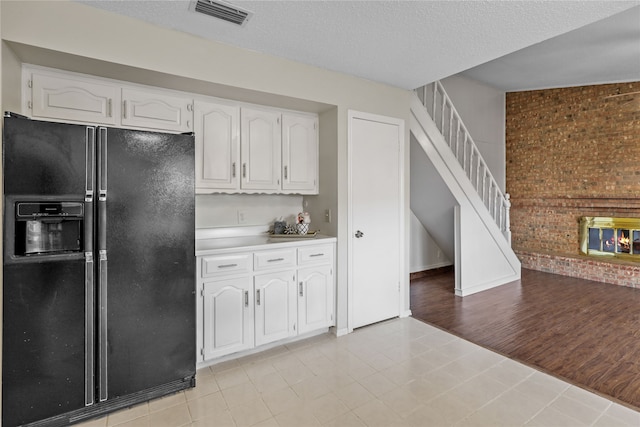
(610,237)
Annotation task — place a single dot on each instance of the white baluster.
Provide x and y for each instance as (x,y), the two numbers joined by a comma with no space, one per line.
(464,155)
(451,122)
(444,103)
(507,211)
(435,91)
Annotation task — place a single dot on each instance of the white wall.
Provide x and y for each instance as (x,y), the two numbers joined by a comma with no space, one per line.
(425,253)
(317,205)
(232,210)
(80,38)
(482,109)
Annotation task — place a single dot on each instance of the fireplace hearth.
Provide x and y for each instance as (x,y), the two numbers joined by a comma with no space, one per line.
(610,237)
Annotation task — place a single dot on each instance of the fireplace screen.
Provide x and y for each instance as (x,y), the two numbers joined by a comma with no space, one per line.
(617,237)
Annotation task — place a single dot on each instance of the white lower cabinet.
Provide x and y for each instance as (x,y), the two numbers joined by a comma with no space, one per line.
(315,298)
(251,298)
(228,316)
(275,306)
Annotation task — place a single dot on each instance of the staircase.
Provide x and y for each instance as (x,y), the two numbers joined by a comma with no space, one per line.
(455,196)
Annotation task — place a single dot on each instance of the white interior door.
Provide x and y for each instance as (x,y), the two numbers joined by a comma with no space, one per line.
(375,220)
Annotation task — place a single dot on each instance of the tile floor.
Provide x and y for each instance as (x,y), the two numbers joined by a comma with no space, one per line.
(397,373)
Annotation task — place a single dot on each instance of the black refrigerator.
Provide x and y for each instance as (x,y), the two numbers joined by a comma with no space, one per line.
(99,269)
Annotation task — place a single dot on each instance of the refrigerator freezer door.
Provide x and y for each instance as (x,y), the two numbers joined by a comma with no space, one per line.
(43,341)
(47,300)
(146,232)
(42,158)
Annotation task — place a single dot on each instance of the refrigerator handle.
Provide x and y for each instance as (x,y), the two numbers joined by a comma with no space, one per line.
(102,331)
(102,164)
(89,303)
(89,284)
(90,180)
(102,262)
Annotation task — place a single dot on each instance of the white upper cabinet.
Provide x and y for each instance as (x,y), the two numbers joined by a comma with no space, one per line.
(217,129)
(61,97)
(155,109)
(260,149)
(239,149)
(299,154)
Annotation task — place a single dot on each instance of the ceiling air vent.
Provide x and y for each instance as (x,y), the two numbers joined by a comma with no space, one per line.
(222,10)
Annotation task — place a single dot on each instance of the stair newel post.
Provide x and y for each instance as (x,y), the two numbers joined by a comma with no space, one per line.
(507,219)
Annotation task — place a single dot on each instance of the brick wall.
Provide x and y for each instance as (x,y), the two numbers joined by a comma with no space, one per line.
(571,152)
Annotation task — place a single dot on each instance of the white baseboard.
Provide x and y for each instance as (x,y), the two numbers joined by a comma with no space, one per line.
(487,285)
(430,266)
(341,332)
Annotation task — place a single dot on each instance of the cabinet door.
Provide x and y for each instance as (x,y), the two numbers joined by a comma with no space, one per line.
(275,306)
(260,150)
(156,110)
(217,127)
(74,99)
(315,298)
(228,317)
(299,154)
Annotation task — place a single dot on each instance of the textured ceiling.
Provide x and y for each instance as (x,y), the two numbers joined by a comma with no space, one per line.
(401,43)
(606,51)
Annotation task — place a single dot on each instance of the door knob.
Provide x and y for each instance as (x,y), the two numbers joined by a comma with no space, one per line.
(359,234)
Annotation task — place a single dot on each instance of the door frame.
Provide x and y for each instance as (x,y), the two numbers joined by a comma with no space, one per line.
(359,115)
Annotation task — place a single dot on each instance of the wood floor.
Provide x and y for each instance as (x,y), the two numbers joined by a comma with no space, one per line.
(585,332)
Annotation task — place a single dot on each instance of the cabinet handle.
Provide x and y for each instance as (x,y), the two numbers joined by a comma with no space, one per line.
(109,108)
(188,124)
(124,109)
(258,297)
(227,265)
(189,107)
(285,172)
(315,255)
(246,298)
(233,170)
(244,170)
(301,290)
(275,260)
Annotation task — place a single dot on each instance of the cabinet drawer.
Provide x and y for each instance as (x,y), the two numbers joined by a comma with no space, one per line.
(315,254)
(273,259)
(226,264)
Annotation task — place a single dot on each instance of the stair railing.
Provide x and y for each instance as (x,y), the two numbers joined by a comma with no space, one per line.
(446,117)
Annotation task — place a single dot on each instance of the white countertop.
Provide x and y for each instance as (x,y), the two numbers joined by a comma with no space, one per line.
(212,242)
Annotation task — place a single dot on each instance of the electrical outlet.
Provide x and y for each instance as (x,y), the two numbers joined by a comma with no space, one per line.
(242,217)
(327,215)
